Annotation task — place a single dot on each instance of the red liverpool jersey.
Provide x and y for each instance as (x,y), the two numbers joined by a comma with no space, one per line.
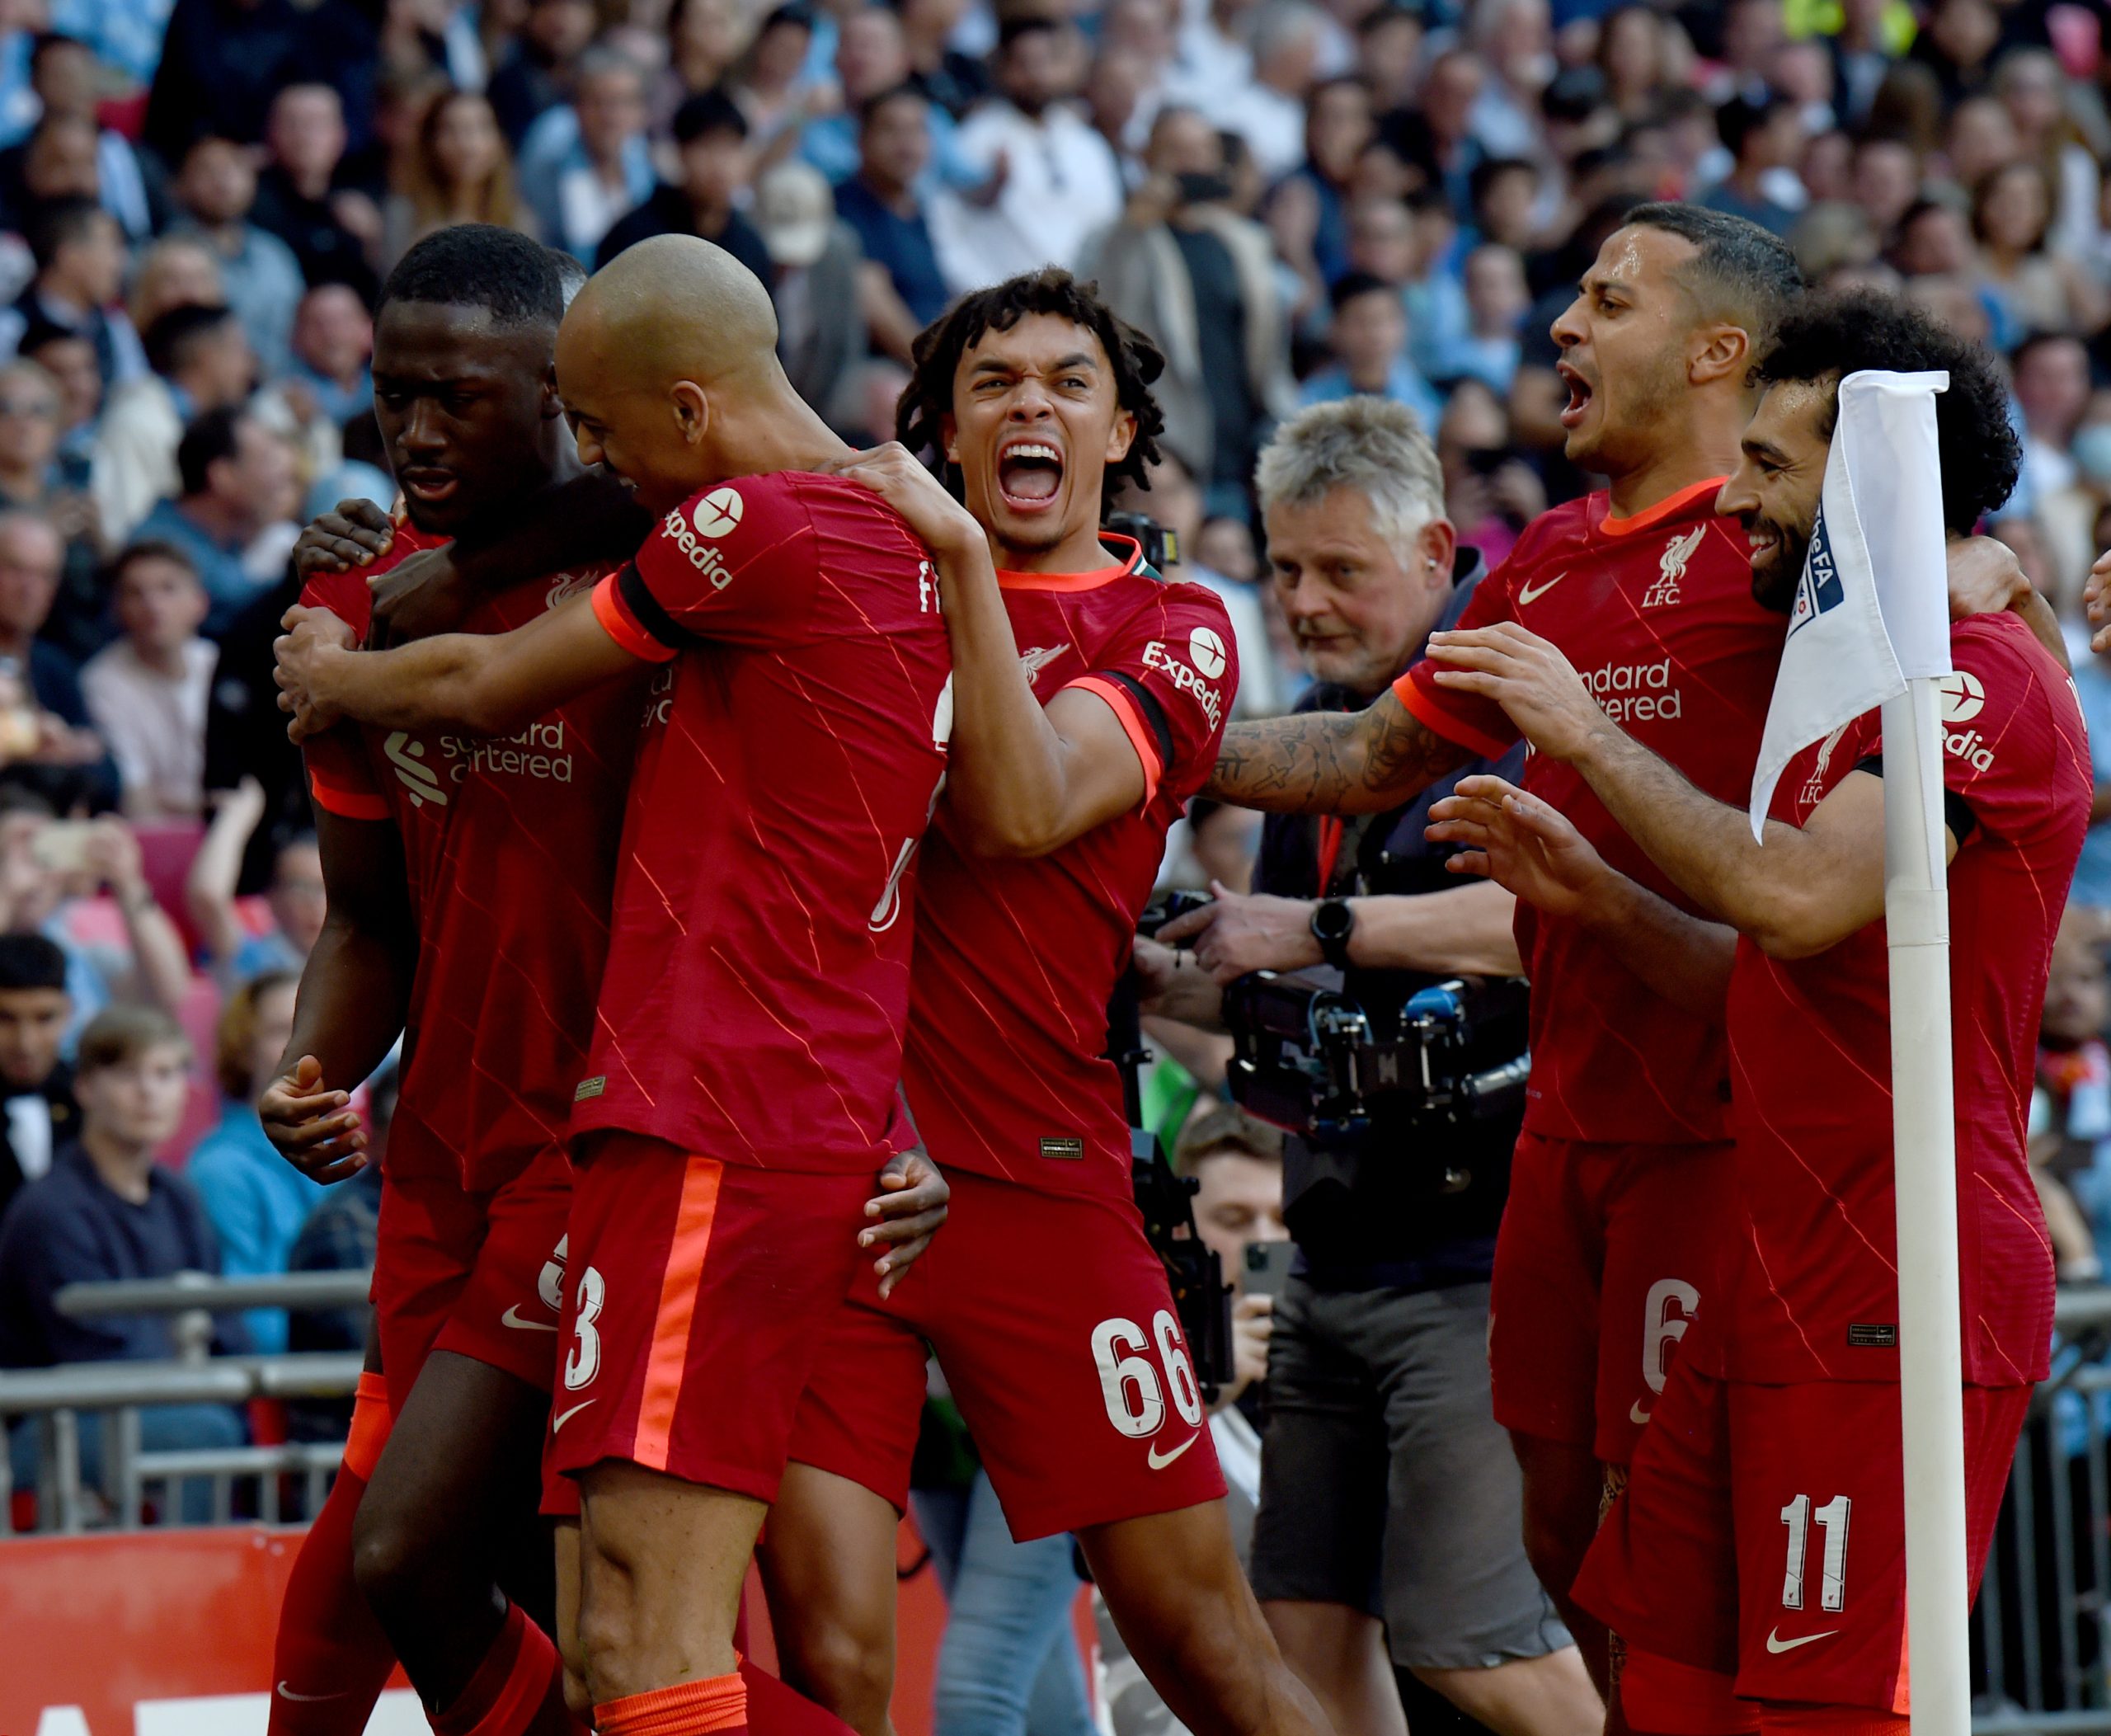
(1016,960)
(510,846)
(1815,1295)
(757,992)
(1656,613)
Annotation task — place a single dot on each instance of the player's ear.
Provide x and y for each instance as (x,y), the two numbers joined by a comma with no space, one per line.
(1718,352)
(1121,437)
(552,404)
(949,439)
(691,409)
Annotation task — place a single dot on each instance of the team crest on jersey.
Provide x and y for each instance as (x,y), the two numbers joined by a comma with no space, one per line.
(1670,568)
(408,757)
(1818,591)
(567,585)
(1039,658)
(1813,790)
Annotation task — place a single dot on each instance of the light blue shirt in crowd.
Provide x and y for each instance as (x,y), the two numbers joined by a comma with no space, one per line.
(1405,386)
(257,1201)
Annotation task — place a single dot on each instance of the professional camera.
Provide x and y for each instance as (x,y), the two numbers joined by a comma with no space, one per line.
(1313,1060)
(1160,546)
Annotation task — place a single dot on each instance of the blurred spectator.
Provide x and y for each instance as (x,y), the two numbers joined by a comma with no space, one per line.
(70,361)
(1184,268)
(705,39)
(217,190)
(235,509)
(331,227)
(1369,338)
(107,1210)
(233,951)
(536,73)
(2033,91)
(2032,289)
(902,287)
(63,73)
(582,168)
(36,477)
(49,745)
(711,135)
(80,262)
(257,1200)
(457,170)
(146,693)
(221,65)
(2069,1152)
(2051,377)
(1886,180)
(1490,492)
(956,81)
(771,83)
(36,1085)
(1497,303)
(820,324)
(1764,138)
(201,361)
(333,342)
(1052,181)
(1309,212)
(872,57)
(1270,113)
(177,271)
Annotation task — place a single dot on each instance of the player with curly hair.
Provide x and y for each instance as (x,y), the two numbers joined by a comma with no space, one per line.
(1755,1564)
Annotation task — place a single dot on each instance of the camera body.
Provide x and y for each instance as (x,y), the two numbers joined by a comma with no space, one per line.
(1338,1069)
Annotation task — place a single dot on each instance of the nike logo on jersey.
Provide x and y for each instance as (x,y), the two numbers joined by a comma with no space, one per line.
(1777,1644)
(1533,593)
(1636,1414)
(286,1693)
(1158,1461)
(564,1417)
(511,1318)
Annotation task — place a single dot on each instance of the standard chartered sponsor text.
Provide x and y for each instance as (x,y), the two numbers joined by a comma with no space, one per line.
(540,750)
(1636,693)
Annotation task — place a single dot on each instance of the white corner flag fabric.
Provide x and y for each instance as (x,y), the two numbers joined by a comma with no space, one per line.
(1867,618)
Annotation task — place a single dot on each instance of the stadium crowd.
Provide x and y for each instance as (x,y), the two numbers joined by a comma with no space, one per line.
(1300,204)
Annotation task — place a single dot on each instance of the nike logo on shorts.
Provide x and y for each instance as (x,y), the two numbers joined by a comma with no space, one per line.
(1776,1644)
(1533,593)
(286,1693)
(1158,1461)
(565,1417)
(1636,1414)
(511,1317)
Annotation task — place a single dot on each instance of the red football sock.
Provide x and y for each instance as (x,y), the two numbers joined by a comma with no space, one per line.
(517,1691)
(331,1659)
(716,1707)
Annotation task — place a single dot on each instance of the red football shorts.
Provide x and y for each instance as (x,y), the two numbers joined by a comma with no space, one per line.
(481,1274)
(1762,1533)
(1054,1323)
(1603,1255)
(697,1295)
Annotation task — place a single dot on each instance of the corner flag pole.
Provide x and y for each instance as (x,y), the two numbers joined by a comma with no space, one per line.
(1930,1351)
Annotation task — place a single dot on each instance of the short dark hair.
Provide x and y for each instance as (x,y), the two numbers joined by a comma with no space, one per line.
(209,438)
(1021,25)
(869,109)
(1136,362)
(45,41)
(1484,174)
(479,265)
(121,1033)
(1350,285)
(1222,1130)
(149,549)
(60,222)
(1741,116)
(173,338)
(1842,332)
(31,962)
(708,111)
(1741,270)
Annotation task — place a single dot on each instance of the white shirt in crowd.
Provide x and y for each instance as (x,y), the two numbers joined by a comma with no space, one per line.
(1063,186)
(155,724)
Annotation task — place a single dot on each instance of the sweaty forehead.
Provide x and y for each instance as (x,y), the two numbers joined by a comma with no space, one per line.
(1641,259)
(1793,417)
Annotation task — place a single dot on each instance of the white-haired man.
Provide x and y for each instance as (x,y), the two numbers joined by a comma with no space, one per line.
(1383,1465)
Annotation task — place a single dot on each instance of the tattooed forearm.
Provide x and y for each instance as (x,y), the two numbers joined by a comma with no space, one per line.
(1332,762)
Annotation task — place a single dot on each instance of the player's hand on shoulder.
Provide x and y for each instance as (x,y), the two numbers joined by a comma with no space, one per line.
(894,474)
(911,1206)
(1525,845)
(312,637)
(1529,677)
(1242,931)
(356,534)
(422,594)
(1984,577)
(311,1125)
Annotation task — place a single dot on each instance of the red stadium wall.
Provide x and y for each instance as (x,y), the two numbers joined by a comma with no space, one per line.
(169,1634)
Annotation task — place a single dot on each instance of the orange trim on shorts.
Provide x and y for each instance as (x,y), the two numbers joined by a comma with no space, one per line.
(347,804)
(371,1421)
(1662,510)
(616,621)
(668,1359)
(1132,726)
(1427,709)
(687,1709)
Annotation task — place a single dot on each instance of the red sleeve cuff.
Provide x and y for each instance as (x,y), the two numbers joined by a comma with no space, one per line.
(1132,726)
(622,626)
(346,803)
(1425,708)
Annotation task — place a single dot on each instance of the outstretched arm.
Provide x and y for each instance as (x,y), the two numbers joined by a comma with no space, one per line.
(1520,842)
(483,684)
(1021,778)
(1360,762)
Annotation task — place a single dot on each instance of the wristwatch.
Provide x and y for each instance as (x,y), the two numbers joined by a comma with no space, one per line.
(1333,920)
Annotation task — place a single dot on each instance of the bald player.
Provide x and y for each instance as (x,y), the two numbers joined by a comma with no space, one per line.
(740,1089)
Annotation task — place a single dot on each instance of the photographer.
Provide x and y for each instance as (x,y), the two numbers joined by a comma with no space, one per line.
(1384,1466)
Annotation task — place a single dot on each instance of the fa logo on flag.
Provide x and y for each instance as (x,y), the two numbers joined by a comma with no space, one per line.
(1818,590)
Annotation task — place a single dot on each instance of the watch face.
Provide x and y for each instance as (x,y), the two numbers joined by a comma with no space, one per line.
(1330,920)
